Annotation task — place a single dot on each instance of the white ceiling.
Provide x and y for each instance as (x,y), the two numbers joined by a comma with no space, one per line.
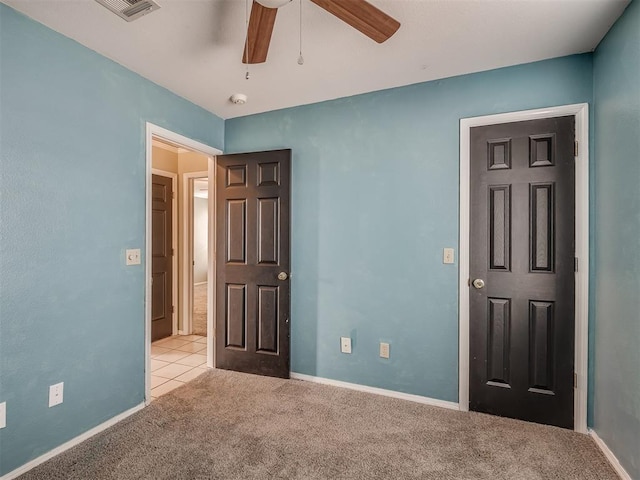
(194,47)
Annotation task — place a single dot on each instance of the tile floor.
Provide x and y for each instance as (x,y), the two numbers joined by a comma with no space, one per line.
(175,361)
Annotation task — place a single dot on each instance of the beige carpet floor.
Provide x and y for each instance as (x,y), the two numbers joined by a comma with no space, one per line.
(199,315)
(230,425)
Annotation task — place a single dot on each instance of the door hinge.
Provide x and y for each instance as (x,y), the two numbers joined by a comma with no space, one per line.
(172,309)
(172,252)
(173,195)
(575,148)
(575,380)
(575,264)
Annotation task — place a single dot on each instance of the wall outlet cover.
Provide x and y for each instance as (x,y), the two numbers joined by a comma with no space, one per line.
(384,350)
(56,394)
(448,255)
(3,414)
(345,344)
(132,256)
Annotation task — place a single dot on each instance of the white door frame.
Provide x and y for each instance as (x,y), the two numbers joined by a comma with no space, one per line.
(157,131)
(187,248)
(174,244)
(581,113)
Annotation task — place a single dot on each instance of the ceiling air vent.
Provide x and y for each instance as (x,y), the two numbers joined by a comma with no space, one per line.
(129,10)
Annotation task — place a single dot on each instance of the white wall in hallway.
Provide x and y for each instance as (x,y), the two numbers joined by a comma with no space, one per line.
(200,239)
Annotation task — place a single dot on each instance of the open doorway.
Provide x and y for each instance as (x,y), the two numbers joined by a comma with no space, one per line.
(179,343)
(200,217)
(196,252)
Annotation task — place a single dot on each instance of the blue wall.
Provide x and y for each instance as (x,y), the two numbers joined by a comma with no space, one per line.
(375,200)
(72,183)
(617,231)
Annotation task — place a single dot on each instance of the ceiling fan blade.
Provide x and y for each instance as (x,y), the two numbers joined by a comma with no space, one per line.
(362,16)
(259,32)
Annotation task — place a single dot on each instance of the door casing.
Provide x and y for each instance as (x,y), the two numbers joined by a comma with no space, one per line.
(581,114)
(157,131)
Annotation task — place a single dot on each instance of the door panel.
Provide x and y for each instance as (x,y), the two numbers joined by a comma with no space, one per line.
(499,339)
(161,258)
(268,231)
(542,222)
(541,346)
(268,319)
(522,247)
(500,227)
(236,231)
(252,232)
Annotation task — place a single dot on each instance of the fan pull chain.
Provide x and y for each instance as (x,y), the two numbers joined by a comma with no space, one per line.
(246,45)
(300,58)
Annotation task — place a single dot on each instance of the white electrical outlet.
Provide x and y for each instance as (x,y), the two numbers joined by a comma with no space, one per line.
(448,255)
(3,414)
(345,344)
(55,394)
(384,350)
(133,256)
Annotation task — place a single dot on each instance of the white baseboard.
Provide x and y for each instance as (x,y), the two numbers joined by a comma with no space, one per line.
(622,473)
(378,391)
(71,443)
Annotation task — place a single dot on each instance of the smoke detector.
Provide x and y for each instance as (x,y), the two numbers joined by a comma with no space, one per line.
(238,98)
(130,10)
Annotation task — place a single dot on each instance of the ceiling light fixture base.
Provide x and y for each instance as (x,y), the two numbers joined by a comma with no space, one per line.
(273,3)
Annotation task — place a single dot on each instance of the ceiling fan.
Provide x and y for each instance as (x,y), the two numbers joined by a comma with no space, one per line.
(360,14)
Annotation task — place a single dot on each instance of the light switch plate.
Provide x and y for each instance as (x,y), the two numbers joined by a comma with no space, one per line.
(448,255)
(133,256)
(345,344)
(384,350)
(56,394)
(3,414)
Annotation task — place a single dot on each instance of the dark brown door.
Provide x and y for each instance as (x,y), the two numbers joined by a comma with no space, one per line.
(522,249)
(252,262)
(161,258)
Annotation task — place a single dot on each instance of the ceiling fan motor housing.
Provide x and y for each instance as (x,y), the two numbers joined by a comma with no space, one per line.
(273,3)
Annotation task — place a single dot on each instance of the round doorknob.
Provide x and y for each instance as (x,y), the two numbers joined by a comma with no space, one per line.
(478,283)
(282,276)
